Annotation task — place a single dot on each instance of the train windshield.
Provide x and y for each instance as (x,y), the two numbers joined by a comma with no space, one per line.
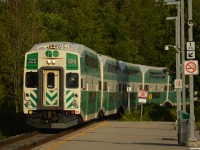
(72,80)
(32,79)
(50,80)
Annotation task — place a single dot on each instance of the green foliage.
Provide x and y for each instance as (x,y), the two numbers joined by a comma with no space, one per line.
(196,113)
(151,113)
(133,116)
(129,30)
(2,136)
(197,125)
(12,124)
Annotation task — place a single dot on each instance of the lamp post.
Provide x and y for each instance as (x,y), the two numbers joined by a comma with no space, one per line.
(178,62)
(183,55)
(192,137)
(178,73)
(177,46)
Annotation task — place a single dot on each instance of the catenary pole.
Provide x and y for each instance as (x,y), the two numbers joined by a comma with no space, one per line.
(183,55)
(190,38)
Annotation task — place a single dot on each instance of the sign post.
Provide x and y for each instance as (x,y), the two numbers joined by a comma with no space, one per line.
(191,69)
(142,95)
(129,105)
(178,84)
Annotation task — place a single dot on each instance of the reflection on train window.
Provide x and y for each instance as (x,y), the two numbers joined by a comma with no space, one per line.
(146,87)
(140,88)
(124,87)
(32,79)
(72,80)
(99,85)
(105,86)
(50,80)
(165,88)
(120,87)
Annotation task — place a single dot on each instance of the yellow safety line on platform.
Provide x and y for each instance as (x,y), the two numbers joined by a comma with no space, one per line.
(77,135)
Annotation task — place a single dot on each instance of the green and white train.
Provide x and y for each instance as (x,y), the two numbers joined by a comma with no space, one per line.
(67,83)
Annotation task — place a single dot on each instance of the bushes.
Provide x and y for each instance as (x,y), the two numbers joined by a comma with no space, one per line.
(151,113)
(12,124)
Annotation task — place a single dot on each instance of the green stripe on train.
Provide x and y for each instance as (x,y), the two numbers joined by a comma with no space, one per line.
(33,100)
(71,103)
(51,98)
(69,96)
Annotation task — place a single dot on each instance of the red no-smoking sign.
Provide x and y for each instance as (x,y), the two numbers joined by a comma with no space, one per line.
(142,94)
(191,67)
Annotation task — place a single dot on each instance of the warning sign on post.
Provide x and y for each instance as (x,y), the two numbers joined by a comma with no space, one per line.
(178,83)
(190,46)
(142,95)
(191,67)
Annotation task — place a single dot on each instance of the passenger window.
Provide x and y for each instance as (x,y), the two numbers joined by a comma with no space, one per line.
(31,79)
(99,85)
(50,80)
(105,87)
(120,87)
(72,80)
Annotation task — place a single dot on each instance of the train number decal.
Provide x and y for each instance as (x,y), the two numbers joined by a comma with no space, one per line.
(71,61)
(31,61)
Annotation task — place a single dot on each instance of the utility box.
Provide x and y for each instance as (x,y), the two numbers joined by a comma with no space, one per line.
(184,126)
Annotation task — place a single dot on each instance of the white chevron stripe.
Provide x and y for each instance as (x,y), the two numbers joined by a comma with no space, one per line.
(68,103)
(52,94)
(68,95)
(34,94)
(51,102)
(32,101)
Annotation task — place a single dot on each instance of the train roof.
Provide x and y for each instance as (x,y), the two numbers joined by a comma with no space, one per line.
(104,58)
(79,48)
(143,68)
(70,46)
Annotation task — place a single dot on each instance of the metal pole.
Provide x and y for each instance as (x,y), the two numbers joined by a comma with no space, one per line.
(129,109)
(178,76)
(178,53)
(192,117)
(178,62)
(141,111)
(177,72)
(183,55)
(141,108)
(178,57)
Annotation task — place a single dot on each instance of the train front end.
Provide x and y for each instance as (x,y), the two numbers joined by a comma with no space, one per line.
(51,96)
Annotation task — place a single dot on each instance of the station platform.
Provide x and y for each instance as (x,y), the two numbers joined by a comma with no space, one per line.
(118,135)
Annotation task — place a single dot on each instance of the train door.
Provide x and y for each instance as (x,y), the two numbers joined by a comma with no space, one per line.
(51,87)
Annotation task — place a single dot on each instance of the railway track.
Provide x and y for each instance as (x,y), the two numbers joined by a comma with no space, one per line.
(34,139)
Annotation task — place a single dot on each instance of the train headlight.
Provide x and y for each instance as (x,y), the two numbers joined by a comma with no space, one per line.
(53,61)
(30,112)
(48,61)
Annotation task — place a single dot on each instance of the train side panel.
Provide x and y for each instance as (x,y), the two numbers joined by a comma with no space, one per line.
(90,78)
